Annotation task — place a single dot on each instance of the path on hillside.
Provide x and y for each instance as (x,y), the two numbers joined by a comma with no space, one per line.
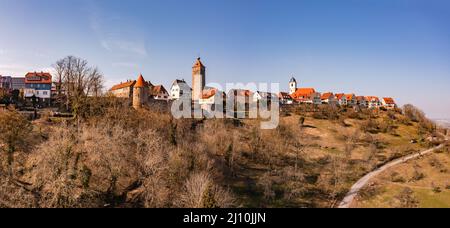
(348,200)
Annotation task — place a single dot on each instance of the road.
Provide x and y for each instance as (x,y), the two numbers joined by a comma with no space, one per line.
(348,200)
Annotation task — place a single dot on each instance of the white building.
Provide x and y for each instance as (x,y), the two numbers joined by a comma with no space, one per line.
(178,89)
(328,98)
(351,99)
(388,103)
(373,102)
(341,99)
(158,92)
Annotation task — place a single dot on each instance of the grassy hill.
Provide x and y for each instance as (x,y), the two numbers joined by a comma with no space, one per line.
(115,156)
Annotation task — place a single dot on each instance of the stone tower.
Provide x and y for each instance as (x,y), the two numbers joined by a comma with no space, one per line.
(140,93)
(292,85)
(198,79)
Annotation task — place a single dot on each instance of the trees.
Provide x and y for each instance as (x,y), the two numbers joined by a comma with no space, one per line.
(14,134)
(78,80)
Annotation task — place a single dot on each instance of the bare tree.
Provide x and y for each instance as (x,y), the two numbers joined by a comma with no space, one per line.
(78,80)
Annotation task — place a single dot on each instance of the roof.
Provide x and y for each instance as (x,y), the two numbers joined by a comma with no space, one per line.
(327,96)
(388,100)
(140,83)
(38,78)
(284,95)
(339,96)
(178,81)
(123,85)
(198,63)
(208,93)
(360,98)
(303,92)
(293,80)
(158,89)
(349,96)
(372,98)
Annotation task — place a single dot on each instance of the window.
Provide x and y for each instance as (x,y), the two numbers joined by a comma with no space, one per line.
(45,92)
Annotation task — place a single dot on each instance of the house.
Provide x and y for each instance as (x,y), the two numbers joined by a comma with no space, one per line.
(328,98)
(178,89)
(285,98)
(212,99)
(307,95)
(388,103)
(38,85)
(124,89)
(361,101)
(373,102)
(351,99)
(158,92)
(341,99)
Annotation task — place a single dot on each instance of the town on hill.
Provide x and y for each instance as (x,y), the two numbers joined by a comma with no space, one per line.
(67,143)
(41,88)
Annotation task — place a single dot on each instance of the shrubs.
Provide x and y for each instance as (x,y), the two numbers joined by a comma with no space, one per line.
(15,132)
(407,199)
(199,191)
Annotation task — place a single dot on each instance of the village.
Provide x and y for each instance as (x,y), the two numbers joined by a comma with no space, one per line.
(38,90)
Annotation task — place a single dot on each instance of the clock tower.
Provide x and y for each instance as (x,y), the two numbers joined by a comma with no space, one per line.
(198,79)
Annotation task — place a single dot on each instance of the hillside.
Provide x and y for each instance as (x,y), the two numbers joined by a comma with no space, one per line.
(423,183)
(115,156)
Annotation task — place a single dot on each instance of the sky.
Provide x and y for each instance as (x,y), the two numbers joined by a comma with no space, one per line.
(392,48)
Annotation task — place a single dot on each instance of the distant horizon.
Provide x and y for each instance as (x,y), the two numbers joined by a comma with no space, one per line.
(398,49)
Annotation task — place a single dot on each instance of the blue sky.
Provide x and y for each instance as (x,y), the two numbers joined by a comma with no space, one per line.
(395,48)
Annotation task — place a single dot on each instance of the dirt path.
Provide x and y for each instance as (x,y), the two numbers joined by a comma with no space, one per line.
(348,200)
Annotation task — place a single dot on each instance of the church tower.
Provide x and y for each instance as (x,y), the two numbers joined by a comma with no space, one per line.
(292,85)
(198,80)
(140,93)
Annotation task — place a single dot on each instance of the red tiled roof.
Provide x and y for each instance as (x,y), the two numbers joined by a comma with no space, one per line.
(388,100)
(208,93)
(140,82)
(372,98)
(159,89)
(123,85)
(349,96)
(326,96)
(303,92)
(360,98)
(339,96)
(38,78)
